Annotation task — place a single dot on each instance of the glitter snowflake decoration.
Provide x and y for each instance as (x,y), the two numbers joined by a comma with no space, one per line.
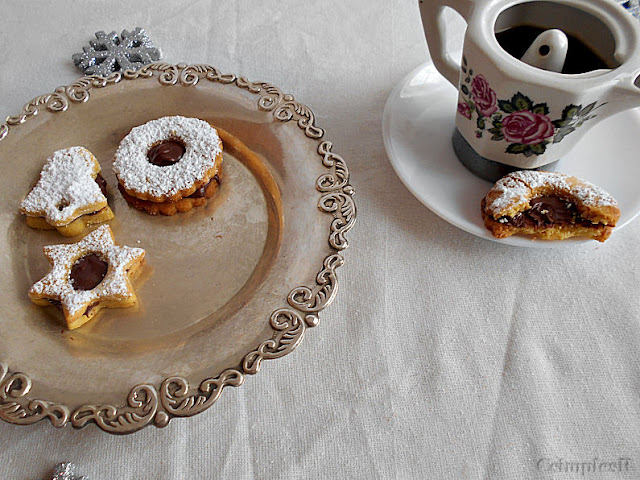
(112,53)
(66,471)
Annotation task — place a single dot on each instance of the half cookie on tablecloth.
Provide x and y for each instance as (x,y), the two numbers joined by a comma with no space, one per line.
(550,206)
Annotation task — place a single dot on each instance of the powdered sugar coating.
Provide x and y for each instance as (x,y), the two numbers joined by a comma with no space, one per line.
(66,188)
(56,285)
(514,191)
(137,174)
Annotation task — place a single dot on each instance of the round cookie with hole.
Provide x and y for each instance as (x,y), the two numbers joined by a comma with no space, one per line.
(169,165)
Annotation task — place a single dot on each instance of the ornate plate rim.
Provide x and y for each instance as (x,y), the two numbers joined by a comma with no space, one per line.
(146,404)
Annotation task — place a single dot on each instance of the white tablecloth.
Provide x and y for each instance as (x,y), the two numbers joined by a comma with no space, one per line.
(444,355)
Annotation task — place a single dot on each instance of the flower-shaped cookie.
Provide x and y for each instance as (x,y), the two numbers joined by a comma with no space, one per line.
(70,194)
(87,276)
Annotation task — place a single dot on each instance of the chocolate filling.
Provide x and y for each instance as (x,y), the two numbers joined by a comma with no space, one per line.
(166,153)
(548,211)
(90,308)
(94,213)
(102,183)
(58,305)
(202,191)
(88,272)
(55,303)
(199,193)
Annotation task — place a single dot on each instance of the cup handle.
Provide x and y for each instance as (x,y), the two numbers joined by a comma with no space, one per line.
(433,23)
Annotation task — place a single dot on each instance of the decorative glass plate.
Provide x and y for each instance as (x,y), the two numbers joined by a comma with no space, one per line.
(225,286)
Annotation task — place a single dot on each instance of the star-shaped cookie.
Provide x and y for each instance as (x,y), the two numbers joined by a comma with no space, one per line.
(87,276)
(70,194)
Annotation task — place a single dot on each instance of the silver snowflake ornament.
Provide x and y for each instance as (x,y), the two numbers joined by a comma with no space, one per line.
(66,471)
(112,53)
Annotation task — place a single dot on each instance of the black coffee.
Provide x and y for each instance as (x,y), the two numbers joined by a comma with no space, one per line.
(580,58)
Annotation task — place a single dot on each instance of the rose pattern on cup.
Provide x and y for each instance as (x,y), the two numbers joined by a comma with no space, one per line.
(527,128)
(524,125)
(484,96)
(464,109)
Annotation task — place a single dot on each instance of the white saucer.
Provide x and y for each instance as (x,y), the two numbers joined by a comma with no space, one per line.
(417,126)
